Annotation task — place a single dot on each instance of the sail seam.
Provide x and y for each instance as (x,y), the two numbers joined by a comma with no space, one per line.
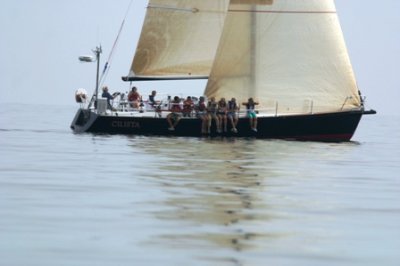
(282,12)
(191,10)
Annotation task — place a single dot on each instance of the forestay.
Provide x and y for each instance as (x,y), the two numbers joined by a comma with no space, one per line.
(179,39)
(289,55)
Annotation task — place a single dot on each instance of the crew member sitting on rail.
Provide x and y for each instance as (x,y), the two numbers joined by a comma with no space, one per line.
(251,113)
(221,112)
(212,114)
(201,112)
(152,99)
(134,98)
(154,104)
(176,113)
(188,106)
(232,116)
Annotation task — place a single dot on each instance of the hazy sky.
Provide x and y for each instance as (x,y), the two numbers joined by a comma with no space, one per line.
(42,39)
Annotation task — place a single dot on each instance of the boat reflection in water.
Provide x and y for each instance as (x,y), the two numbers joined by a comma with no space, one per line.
(213,193)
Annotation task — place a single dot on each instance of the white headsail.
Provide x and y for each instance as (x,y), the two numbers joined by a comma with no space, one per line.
(287,54)
(179,39)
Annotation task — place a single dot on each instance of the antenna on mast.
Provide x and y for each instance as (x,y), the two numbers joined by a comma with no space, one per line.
(90,59)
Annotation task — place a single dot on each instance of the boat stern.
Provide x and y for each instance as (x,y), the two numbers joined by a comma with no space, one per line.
(83,120)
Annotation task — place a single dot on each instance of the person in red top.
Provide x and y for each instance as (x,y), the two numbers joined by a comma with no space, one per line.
(188,107)
(134,98)
(176,113)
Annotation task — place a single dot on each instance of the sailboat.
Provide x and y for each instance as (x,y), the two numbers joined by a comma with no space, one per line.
(288,55)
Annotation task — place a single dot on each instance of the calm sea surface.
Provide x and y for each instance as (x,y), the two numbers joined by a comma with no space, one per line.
(68,199)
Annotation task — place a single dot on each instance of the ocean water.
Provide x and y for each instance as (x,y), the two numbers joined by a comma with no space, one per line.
(86,199)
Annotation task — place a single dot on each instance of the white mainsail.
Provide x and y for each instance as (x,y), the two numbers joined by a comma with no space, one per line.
(179,39)
(288,55)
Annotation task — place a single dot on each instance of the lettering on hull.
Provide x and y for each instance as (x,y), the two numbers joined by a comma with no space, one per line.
(125,124)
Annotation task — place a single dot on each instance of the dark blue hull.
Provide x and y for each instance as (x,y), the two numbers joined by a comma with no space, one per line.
(339,126)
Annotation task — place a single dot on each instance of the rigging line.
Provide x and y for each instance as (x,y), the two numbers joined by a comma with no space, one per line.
(109,60)
(110,57)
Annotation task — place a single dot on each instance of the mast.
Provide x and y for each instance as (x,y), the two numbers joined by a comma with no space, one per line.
(98,51)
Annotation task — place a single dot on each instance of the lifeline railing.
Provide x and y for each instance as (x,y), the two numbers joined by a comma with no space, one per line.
(272,108)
